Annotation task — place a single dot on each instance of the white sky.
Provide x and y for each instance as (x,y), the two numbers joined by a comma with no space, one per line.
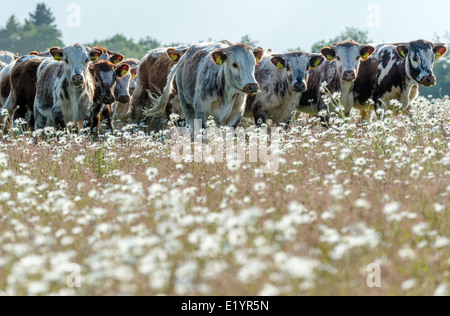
(279,25)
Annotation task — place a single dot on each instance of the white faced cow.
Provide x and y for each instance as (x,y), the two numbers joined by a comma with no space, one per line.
(65,87)
(124,89)
(395,73)
(282,79)
(7,57)
(339,72)
(214,79)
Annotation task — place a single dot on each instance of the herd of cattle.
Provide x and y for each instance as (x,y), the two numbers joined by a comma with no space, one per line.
(220,80)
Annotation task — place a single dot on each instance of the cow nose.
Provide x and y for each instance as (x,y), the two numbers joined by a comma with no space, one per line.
(252,89)
(77,80)
(299,87)
(349,75)
(108,99)
(429,81)
(124,99)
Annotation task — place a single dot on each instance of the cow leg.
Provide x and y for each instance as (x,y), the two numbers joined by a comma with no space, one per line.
(58,117)
(259,114)
(107,114)
(40,120)
(95,121)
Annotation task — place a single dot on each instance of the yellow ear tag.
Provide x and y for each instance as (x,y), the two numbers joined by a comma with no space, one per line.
(317,63)
(403,54)
(94,58)
(257,60)
(280,65)
(174,57)
(219,61)
(366,56)
(330,58)
(133,76)
(116,62)
(438,55)
(123,73)
(58,57)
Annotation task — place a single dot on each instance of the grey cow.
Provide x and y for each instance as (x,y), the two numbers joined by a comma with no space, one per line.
(214,79)
(282,78)
(65,87)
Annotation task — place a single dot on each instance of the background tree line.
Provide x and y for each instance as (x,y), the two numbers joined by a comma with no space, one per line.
(39,32)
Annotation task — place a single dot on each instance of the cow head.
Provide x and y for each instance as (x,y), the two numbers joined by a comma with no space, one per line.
(76,61)
(296,67)
(126,85)
(106,75)
(420,56)
(239,62)
(348,57)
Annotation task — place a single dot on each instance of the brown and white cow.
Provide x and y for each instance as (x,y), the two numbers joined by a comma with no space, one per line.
(152,75)
(339,72)
(124,90)
(65,87)
(282,79)
(214,80)
(106,75)
(395,73)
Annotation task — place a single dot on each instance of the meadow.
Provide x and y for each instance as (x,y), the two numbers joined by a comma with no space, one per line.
(136,222)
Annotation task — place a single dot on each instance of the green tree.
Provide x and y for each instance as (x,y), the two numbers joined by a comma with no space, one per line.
(43,16)
(246,39)
(350,33)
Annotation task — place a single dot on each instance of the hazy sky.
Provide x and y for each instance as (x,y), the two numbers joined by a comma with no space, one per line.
(279,25)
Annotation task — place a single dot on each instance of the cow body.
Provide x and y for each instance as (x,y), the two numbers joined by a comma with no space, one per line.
(339,73)
(282,79)
(152,75)
(65,88)
(214,80)
(395,72)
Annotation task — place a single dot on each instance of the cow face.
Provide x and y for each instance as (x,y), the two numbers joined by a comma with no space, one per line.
(348,57)
(76,61)
(106,75)
(239,62)
(420,56)
(296,67)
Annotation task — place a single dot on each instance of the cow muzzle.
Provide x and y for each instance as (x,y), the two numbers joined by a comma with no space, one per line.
(124,99)
(428,81)
(299,87)
(349,76)
(108,99)
(77,80)
(252,89)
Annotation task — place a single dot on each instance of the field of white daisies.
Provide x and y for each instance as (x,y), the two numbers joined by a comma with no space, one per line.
(135,222)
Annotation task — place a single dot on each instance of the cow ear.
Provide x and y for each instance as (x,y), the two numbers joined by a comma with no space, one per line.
(35,53)
(316,61)
(329,53)
(134,72)
(259,53)
(367,51)
(439,50)
(116,59)
(122,70)
(279,62)
(95,54)
(219,57)
(57,53)
(402,51)
(175,54)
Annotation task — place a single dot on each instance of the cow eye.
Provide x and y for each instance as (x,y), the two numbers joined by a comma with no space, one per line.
(358,58)
(416,60)
(235,65)
(338,58)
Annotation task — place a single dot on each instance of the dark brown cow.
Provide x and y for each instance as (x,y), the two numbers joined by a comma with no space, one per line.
(152,77)
(106,75)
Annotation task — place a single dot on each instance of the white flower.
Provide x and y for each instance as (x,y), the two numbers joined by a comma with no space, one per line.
(290,188)
(441,242)
(430,151)
(409,285)
(80,159)
(151,173)
(380,175)
(234,165)
(4,196)
(392,208)
(360,162)
(442,290)
(345,153)
(361,203)
(260,187)
(3,160)
(439,208)
(231,190)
